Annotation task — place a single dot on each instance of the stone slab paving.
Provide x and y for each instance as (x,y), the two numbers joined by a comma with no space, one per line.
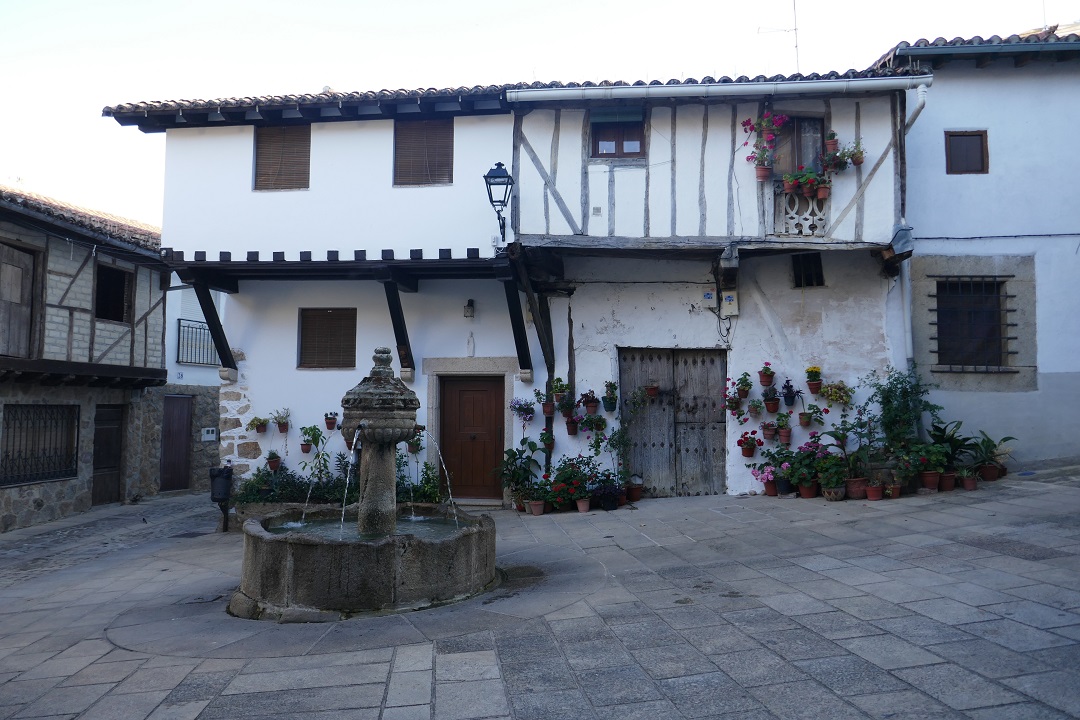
(949,605)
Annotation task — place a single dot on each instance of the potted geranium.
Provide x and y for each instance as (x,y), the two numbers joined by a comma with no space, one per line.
(572,424)
(768,430)
(559,388)
(732,401)
(831,473)
(783,427)
(823,187)
(765,130)
(765,375)
(547,439)
(589,400)
(813,379)
(611,396)
(765,476)
(566,405)
(593,423)
(792,180)
(749,442)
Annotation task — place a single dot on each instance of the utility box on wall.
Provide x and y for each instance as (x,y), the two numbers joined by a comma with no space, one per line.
(729,303)
(209,434)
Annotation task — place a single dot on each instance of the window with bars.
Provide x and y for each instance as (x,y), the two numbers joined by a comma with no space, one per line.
(972,323)
(806,269)
(39,442)
(424,152)
(966,153)
(327,338)
(282,157)
(112,294)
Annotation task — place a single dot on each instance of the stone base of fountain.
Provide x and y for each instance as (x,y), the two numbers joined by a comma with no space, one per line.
(298,576)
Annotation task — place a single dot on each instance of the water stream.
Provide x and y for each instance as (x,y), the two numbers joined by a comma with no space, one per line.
(446,470)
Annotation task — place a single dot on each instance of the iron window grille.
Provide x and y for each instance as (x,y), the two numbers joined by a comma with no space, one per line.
(195,345)
(39,442)
(327,338)
(806,268)
(973,323)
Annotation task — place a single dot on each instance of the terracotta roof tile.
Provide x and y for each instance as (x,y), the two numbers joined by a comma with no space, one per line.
(1057,37)
(110,226)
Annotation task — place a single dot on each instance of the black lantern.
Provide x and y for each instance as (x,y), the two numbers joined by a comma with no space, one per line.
(499,185)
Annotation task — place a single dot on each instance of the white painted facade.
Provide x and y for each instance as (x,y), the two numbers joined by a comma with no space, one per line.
(1019,211)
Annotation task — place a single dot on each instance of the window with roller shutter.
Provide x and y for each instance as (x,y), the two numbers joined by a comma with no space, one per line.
(423,152)
(327,338)
(282,157)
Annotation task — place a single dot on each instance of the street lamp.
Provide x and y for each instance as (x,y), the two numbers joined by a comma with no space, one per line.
(499,184)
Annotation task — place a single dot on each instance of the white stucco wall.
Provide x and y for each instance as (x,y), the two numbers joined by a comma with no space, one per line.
(1020,207)
(351,202)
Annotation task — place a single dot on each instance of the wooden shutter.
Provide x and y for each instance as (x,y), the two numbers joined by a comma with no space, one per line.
(966,153)
(328,337)
(424,152)
(282,157)
(16,301)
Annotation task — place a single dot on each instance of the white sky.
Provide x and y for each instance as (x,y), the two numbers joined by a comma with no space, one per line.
(62,61)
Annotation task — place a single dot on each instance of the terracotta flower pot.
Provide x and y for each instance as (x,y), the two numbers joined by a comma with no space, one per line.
(930,479)
(814,386)
(548,409)
(765,379)
(305,447)
(823,192)
(857,159)
(592,408)
(652,390)
(283,428)
(742,392)
(633,492)
(947,482)
(536,507)
(770,488)
(785,434)
(810,190)
(772,405)
(331,423)
(768,433)
(804,419)
(874,492)
(895,491)
(349,443)
(989,472)
(549,446)
(856,488)
(273,464)
(549,507)
(414,447)
(748,450)
(831,145)
(571,427)
(260,428)
(971,483)
(763,173)
(790,186)
(808,491)
(582,505)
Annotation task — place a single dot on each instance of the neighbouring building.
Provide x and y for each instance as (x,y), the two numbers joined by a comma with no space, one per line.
(86,416)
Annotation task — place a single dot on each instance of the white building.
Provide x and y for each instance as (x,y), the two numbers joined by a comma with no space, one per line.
(639,248)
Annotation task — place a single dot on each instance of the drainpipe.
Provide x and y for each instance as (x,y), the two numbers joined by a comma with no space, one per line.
(920,103)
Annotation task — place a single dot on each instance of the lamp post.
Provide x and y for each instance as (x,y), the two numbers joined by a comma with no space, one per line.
(499,185)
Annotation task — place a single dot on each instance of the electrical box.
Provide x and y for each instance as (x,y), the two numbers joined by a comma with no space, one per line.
(209,434)
(729,303)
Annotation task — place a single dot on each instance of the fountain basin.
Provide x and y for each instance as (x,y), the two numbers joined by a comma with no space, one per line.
(302,576)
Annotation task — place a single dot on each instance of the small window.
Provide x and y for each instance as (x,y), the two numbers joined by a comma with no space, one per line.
(327,338)
(971,322)
(424,152)
(806,267)
(618,139)
(38,442)
(966,153)
(112,296)
(282,157)
(801,142)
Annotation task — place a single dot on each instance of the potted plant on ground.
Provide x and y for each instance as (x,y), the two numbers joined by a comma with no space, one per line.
(928,460)
(611,395)
(281,418)
(749,442)
(831,473)
(765,375)
(874,488)
(310,435)
(765,130)
(273,460)
(590,402)
(967,477)
(606,491)
(813,379)
(765,476)
(258,424)
(957,446)
(517,471)
(988,455)
(570,483)
(547,404)
(330,420)
(559,387)
(803,470)
(770,397)
(547,439)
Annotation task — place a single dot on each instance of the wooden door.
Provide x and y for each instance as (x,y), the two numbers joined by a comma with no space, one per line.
(700,428)
(471,434)
(16,288)
(677,440)
(108,453)
(652,427)
(176,443)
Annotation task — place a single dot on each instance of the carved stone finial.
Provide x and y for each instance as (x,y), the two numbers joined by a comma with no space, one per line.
(382,358)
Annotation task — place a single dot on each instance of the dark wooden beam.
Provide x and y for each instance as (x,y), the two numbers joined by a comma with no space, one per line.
(211,279)
(517,323)
(213,323)
(405,282)
(543,329)
(401,330)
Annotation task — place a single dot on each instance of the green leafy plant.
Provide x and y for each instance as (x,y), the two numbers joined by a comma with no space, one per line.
(546,437)
(813,373)
(948,436)
(281,416)
(311,434)
(837,393)
(588,398)
(756,406)
(517,470)
(611,389)
(566,403)
(596,423)
(817,414)
(901,397)
(255,422)
(558,385)
(988,451)
(770,392)
(744,382)
(831,470)
(541,396)
(783,420)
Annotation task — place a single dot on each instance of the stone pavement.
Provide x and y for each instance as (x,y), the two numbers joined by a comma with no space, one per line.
(954,605)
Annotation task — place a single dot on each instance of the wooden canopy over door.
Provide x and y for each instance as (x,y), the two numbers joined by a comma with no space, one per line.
(677,439)
(16,288)
(471,434)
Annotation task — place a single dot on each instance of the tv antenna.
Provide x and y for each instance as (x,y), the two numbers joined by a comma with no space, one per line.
(794,29)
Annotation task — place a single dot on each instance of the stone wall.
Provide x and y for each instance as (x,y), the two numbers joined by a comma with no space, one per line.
(238,444)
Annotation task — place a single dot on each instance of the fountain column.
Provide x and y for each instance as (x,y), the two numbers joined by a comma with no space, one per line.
(385,412)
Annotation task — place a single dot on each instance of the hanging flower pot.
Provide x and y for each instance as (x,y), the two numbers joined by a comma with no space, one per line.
(832,145)
(414,446)
(790,187)
(823,192)
(273,464)
(809,190)
(349,443)
(571,427)
(784,434)
(305,447)
(804,419)
(768,432)
(283,427)
(763,173)
(857,159)
(331,423)
(652,390)
(549,446)
(814,386)
(548,408)
(749,450)
(609,403)
(591,408)
(260,428)
(772,405)
(764,378)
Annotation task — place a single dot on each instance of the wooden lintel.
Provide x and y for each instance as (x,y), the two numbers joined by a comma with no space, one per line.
(213,323)
(406,283)
(401,330)
(212,280)
(517,324)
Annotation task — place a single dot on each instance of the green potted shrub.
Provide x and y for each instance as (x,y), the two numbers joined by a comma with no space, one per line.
(590,402)
(258,424)
(310,435)
(957,446)
(566,404)
(281,419)
(832,473)
(988,455)
(755,407)
(559,387)
(967,478)
(273,460)
(517,471)
(547,404)
(770,397)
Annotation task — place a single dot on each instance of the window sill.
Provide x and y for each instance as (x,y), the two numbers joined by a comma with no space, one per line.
(620,162)
(974,369)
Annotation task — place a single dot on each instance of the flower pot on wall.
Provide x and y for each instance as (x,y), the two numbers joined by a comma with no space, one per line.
(763,173)
(772,405)
(260,428)
(765,379)
(831,145)
(273,464)
(609,403)
(748,450)
(814,386)
(768,433)
(548,408)
(331,423)
(283,428)
(785,435)
(571,427)
(823,192)
(804,419)
(305,447)
(592,408)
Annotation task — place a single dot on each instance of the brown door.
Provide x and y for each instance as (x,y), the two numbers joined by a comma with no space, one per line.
(677,438)
(108,451)
(176,443)
(16,286)
(471,430)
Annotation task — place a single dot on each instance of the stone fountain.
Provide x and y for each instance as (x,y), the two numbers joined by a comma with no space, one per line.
(365,563)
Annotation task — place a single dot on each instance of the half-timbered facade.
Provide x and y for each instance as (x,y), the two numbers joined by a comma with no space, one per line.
(82,376)
(640,248)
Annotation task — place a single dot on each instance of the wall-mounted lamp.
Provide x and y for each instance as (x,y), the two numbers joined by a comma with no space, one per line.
(499,185)
(470,309)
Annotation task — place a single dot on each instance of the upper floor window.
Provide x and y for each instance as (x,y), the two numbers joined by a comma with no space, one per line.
(801,142)
(806,270)
(617,133)
(424,152)
(327,338)
(282,157)
(112,294)
(966,153)
(16,301)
